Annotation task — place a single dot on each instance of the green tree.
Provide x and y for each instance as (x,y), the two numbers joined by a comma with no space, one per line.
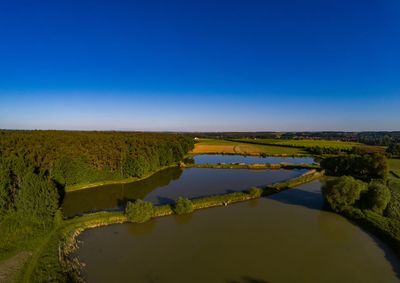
(183,206)
(139,211)
(377,197)
(394,149)
(343,192)
(37,198)
(367,166)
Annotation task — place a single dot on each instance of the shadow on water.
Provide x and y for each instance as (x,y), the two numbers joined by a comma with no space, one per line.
(248,279)
(308,199)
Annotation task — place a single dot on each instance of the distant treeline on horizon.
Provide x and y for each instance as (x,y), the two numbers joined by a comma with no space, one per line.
(383,138)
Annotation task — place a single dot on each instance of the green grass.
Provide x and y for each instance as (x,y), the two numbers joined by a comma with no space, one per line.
(394,167)
(305,143)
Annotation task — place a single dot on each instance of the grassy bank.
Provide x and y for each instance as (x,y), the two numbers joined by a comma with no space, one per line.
(52,261)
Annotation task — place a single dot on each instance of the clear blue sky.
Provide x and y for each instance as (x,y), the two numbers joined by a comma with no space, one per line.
(200,65)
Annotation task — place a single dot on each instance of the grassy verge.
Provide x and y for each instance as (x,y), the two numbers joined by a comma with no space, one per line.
(305,178)
(52,261)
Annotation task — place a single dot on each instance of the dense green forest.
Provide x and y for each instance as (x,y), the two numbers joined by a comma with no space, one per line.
(37,166)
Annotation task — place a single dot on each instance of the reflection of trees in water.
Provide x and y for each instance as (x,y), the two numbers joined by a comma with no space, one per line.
(253,203)
(140,189)
(183,219)
(189,160)
(115,196)
(142,228)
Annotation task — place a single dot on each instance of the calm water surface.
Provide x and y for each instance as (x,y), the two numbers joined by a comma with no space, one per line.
(221,158)
(167,185)
(284,238)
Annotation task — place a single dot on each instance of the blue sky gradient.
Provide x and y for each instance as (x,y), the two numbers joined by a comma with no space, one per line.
(200,65)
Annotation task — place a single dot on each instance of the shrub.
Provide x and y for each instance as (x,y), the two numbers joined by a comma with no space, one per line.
(255,192)
(393,208)
(139,211)
(343,192)
(183,206)
(377,197)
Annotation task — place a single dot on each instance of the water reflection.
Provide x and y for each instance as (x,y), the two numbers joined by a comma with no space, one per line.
(115,196)
(167,185)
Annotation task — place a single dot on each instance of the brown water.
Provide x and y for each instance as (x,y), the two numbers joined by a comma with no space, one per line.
(167,185)
(284,238)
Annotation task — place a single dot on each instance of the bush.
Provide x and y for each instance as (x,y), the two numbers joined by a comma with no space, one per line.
(343,192)
(393,208)
(377,197)
(255,192)
(139,211)
(183,206)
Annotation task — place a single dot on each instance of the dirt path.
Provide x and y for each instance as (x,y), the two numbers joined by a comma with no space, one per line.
(10,268)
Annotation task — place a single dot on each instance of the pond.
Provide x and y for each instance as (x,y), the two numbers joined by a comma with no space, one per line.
(283,238)
(228,159)
(169,184)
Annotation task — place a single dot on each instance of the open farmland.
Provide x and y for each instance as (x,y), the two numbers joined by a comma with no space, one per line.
(232,147)
(304,143)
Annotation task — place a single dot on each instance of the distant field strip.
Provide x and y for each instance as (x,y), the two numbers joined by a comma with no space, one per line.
(394,167)
(233,147)
(303,143)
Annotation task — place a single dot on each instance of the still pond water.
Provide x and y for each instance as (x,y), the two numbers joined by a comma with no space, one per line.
(283,238)
(228,159)
(167,185)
